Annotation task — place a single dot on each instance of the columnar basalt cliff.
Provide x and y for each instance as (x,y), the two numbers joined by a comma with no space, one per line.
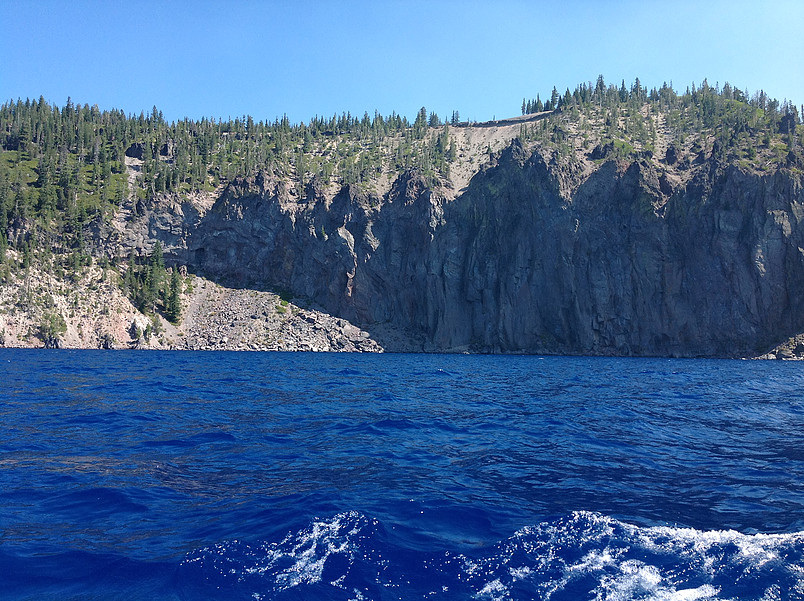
(537,254)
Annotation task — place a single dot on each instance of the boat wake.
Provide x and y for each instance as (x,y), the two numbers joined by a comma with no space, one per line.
(581,556)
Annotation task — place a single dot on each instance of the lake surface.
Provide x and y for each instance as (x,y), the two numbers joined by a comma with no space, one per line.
(260,476)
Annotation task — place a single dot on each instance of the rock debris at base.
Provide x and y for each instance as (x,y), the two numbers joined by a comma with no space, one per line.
(241,319)
(97,315)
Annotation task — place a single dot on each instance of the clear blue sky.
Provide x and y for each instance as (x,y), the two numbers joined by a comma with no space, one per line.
(305,58)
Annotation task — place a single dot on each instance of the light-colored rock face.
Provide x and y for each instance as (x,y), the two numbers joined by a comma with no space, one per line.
(95,314)
(536,254)
(91,308)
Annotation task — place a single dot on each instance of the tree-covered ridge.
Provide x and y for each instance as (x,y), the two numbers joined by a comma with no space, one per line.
(66,166)
(727,121)
(80,186)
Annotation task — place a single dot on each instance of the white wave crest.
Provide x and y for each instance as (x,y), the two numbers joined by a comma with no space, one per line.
(614,561)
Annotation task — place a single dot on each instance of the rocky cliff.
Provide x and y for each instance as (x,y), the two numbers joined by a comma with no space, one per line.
(538,253)
(616,224)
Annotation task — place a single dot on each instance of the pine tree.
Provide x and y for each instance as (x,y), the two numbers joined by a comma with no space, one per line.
(147,295)
(420,125)
(154,277)
(157,258)
(554,98)
(173,305)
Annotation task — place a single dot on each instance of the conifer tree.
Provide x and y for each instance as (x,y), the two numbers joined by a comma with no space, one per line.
(173,305)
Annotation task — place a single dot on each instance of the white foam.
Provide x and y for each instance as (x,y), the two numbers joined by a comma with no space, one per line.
(616,559)
(636,580)
(308,551)
(493,591)
(358,596)
(520,573)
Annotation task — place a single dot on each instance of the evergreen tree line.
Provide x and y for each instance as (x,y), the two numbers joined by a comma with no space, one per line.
(704,96)
(66,166)
(741,122)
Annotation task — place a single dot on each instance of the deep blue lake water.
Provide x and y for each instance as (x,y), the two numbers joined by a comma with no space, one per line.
(260,476)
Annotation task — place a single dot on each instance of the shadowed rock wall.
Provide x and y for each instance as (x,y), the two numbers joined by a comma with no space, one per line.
(533,256)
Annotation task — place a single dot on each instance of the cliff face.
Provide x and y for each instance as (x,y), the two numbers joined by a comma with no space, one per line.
(536,254)
(625,264)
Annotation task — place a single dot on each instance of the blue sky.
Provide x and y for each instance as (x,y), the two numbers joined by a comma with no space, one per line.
(305,58)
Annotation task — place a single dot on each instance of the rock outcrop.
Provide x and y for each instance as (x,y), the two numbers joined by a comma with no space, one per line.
(538,253)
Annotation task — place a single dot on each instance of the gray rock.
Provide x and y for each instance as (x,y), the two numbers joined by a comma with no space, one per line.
(532,257)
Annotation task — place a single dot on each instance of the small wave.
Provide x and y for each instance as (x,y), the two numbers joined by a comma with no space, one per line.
(320,556)
(94,503)
(214,436)
(582,556)
(82,575)
(346,371)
